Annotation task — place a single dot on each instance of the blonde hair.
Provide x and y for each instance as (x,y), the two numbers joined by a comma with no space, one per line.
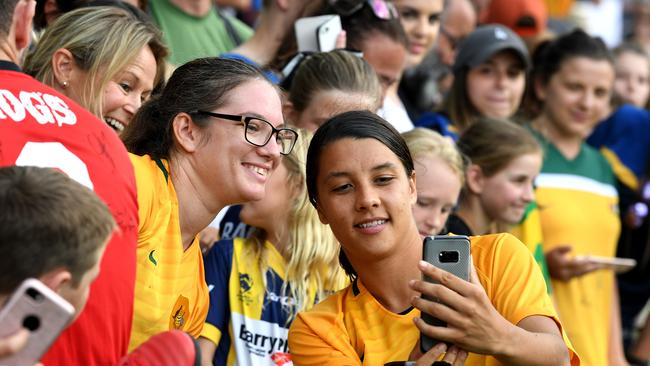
(312,250)
(423,141)
(103,41)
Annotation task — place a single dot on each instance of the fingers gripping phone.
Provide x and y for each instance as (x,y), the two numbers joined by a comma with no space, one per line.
(42,312)
(449,253)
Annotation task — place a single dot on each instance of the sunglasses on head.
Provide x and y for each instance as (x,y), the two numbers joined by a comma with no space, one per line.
(381,8)
(290,69)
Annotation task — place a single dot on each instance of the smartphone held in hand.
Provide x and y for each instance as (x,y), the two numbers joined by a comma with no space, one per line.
(451,254)
(42,312)
(317,34)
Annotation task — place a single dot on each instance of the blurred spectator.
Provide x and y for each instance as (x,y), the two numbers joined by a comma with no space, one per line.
(641,23)
(527,18)
(632,84)
(489,81)
(576,193)
(375,30)
(48,10)
(194,29)
(458,20)
(421,22)
(274,36)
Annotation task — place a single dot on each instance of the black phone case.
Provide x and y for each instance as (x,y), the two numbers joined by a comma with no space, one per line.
(432,247)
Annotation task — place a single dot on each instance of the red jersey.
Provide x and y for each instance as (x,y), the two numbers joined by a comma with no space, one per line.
(41,127)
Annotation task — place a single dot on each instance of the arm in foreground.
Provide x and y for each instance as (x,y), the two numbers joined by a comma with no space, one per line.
(474,325)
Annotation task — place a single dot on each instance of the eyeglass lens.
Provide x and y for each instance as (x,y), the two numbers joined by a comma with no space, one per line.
(259,132)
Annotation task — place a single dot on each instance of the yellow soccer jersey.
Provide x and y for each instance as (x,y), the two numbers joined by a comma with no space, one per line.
(249,313)
(170,290)
(353,328)
(529,231)
(579,207)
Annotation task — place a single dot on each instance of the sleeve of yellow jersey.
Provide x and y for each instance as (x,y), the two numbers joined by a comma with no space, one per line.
(318,338)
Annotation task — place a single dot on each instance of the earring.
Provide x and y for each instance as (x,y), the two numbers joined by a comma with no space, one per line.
(64,84)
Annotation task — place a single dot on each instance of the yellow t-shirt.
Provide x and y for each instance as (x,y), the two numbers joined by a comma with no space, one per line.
(170,289)
(579,207)
(529,231)
(353,328)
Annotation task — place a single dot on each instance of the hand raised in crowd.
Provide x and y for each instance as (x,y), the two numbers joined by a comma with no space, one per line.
(563,267)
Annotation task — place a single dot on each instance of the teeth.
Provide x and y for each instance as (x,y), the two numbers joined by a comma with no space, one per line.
(371,224)
(261,171)
(117,125)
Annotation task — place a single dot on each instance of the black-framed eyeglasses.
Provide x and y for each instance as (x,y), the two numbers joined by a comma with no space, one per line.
(381,8)
(258,131)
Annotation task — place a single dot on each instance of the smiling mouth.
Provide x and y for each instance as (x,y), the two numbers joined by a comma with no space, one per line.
(259,171)
(115,124)
(370,224)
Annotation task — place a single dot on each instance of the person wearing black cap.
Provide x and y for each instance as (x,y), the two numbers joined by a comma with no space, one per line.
(489,80)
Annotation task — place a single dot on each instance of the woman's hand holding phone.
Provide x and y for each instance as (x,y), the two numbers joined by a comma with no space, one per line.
(454,356)
(473,324)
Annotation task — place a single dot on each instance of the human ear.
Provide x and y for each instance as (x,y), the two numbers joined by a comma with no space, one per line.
(22,20)
(56,279)
(63,65)
(540,88)
(413,193)
(289,112)
(475,179)
(187,133)
(282,4)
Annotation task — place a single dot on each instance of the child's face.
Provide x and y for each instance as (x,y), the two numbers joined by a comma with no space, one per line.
(632,83)
(438,187)
(77,296)
(506,194)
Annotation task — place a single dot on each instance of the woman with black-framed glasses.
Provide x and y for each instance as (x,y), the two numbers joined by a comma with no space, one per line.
(188,166)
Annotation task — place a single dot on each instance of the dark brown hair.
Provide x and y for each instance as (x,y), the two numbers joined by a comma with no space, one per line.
(48,221)
(201,84)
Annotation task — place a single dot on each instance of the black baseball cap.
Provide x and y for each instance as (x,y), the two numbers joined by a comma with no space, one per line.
(485,42)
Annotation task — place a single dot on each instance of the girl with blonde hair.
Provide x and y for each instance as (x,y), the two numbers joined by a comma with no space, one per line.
(105,58)
(440,172)
(288,264)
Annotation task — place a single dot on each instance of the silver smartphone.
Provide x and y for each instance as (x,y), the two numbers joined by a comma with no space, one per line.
(317,34)
(452,254)
(40,310)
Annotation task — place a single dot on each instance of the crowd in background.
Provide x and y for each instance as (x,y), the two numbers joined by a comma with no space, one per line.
(266,205)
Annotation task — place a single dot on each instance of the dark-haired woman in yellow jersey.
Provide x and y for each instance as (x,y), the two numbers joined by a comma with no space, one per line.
(360,179)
